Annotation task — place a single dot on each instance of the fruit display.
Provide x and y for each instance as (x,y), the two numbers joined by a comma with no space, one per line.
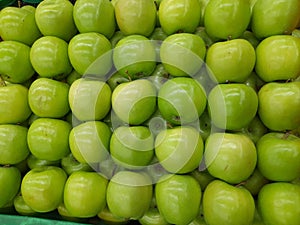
(150,112)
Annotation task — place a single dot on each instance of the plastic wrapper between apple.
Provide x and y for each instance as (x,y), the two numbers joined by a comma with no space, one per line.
(138,90)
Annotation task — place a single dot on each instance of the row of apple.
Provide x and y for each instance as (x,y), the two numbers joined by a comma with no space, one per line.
(157,99)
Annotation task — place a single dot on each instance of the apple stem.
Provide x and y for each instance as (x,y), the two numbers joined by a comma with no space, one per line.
(2,82)
(241,184)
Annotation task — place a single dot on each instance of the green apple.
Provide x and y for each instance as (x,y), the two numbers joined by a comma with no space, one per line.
(178,198)
(134,102)
(281,54)
(15,21)
(251,38)
(230,61)
(22,208)
(10,181)
(158,34)
(14,104)
(183,54)
(132,147)
(15,65)
(274,17)
(179,16)
(117,36)
(278,203)
(67,216)
(203,4)
(136,16)
(201,31)
(230,157)
(49,138)
(159,76)
(89,99)
(89,142)
(134,56)
(129,194)
(203,177)
(85,194)
(285,98)
(71,165)
(205,126)
(255,130)
(227,19)
(232,106)
(74,75)
(169,144)
(227,204)
(49,57)
(13,144)
(55,18)
(278,156)
(255,182)
(115,79)
(254,81)
(42,188)
(90,53)
(108,218)
(153,217)
(181,100)
(49,98)
(95,16)
(34,162)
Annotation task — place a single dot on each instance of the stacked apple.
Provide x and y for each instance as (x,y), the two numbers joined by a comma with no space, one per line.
(157,112)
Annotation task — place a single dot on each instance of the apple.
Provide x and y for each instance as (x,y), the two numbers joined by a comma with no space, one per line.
(15,65)
(14,104)
(183,208)
(14,21)
(251,38)
(95,16)
(183,54)
(158,34)
(181,100)
(49,57)
(227,19)
(134,56)
(203,177)
(153,217)
(55,18)
(281,53)
(117,36)
(232,106)
(108,218)
(84,194)
(283,18)
(132,147)
(278,156)
(159,76)
(230,157)
(255,182)
(74,75)
(70,165)
(203,4)
(227,204)
(66,215)
(89,99)
(49,138)
(135,16)
(169,144)
(89,142)
(201,31)
(255,130)
(10,178)
(13,144)
(156,123)
(22,208)
(205,126)
(48,98)
(90,53)
(284,97)
(230,61)
(134,102)
(129,194)
(177,16)
(115,79)
(34,162)
(42,188)
(254,81)
(278,203)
